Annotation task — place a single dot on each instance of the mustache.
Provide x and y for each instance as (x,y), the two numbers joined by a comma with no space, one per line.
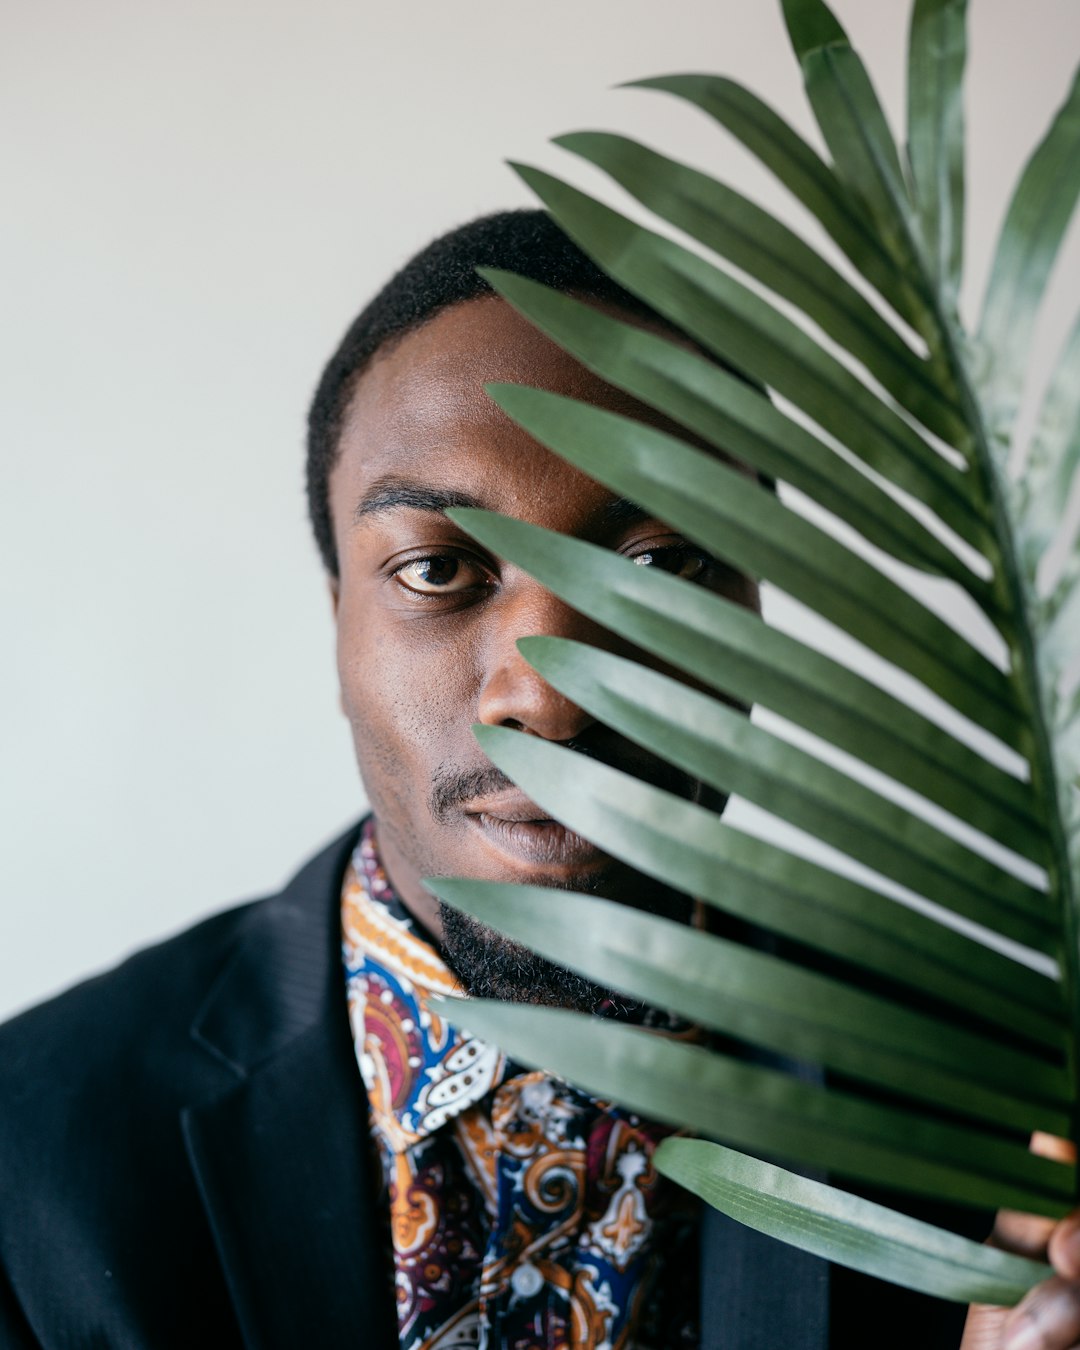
(453,789)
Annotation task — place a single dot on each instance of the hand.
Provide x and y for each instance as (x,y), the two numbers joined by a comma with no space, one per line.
(1048,1318)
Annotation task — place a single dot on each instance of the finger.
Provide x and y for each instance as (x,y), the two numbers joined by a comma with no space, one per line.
(1053,1146)
(1064,1247)
(1047,1319)
(1025,1234)
(984,1328)
(1029,1234)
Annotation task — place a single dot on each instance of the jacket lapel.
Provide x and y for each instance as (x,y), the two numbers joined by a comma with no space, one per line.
(281,1158)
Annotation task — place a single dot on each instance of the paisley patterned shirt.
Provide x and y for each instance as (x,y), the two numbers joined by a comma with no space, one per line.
(523,1213)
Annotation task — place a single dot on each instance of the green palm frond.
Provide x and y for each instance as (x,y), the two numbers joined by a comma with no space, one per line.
(950,1013)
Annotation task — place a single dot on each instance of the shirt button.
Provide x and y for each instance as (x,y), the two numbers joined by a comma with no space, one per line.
(526,1281)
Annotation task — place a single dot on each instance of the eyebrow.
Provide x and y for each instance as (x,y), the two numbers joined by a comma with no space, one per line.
(396,494)
(622,511)
(391,493)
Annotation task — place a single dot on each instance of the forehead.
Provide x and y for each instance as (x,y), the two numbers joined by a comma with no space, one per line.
(420,407)
(452,353)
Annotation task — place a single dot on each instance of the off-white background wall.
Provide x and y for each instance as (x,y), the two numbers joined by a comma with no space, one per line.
(198,198)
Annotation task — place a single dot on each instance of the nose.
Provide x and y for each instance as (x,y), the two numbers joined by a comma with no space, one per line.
(512,694)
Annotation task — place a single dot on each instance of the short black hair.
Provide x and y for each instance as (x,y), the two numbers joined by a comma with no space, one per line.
(444,273)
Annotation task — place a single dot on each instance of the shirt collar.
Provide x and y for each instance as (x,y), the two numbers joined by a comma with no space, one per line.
(419,1070)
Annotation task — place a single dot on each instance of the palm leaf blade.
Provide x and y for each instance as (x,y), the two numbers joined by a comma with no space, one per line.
(654,830)
(765,1108)
(722,510)
(739,327)
(802,170)
(760,245)
(722,409)
(733,651)
(1027,246)
(762,883)
(769,1002)
(848,1229)
(812,25)
(719,746)
(937,52)
(855,128)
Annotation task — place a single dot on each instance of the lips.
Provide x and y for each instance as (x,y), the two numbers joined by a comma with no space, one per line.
(516,828)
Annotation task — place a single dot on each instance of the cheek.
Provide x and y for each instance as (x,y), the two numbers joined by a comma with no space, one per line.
(410,698)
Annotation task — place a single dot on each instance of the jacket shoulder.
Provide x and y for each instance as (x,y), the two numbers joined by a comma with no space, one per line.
(103,1232)
(112,1023)
(129,1029)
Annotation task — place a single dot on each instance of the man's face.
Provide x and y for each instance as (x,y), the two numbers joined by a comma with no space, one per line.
(428,620)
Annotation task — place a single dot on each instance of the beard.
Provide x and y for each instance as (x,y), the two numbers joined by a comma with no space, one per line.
(488,965)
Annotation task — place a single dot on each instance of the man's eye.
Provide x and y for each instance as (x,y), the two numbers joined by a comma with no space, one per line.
(439,575)
(680,560)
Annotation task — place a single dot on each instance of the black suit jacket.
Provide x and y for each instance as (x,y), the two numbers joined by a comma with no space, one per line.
(184,1162)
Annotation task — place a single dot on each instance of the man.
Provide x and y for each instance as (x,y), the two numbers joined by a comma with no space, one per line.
(189,1155)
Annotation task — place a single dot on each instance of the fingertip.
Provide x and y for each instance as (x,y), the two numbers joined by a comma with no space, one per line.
(1053,1146)
(1064,1247)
